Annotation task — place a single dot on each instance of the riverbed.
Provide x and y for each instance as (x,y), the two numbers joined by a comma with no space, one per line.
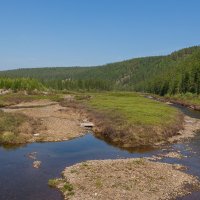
(20,181)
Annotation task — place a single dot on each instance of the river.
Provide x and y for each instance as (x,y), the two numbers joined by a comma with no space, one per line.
(20,181)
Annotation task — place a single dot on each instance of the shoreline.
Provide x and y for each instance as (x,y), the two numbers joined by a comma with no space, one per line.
(190,128)
(50,121)
(115,137)
(124,179)
(171,100)
(44,121)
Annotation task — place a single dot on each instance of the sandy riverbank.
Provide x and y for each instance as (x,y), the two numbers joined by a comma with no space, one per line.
(47,121)
(124,179)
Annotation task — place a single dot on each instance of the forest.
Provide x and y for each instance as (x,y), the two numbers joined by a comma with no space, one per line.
(176,73)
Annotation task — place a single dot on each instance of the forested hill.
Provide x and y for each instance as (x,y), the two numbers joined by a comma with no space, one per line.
(178,72)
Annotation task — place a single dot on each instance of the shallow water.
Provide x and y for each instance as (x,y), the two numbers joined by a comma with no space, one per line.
(20,181)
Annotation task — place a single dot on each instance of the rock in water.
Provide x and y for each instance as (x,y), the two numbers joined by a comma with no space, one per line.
(37,164)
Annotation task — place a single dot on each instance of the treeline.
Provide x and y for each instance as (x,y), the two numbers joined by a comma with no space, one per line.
(178,72)
(30,84)
(87,85)
(187,82)
(16,84)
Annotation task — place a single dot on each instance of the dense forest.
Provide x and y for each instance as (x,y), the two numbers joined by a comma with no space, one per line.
(178,72)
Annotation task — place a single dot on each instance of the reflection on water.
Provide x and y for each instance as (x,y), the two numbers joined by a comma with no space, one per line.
(20,181)
(12,146)
(139,149)
(189,112)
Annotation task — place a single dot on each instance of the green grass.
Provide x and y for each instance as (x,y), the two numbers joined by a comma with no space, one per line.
(68,187)
(53,182)
(130,120)
(135,108)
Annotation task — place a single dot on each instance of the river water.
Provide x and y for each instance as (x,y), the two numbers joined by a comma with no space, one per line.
(20,181)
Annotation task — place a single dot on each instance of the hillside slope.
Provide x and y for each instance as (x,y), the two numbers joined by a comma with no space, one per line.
(178,72)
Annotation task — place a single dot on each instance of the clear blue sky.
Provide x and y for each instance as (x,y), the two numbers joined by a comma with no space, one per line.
(37,33)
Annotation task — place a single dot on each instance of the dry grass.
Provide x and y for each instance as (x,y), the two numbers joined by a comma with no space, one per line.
(45,121)
(15,128)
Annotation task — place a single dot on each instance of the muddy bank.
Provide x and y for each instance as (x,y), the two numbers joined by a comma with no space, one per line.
(124,179)
(47,121)
(136,136)
(182,103)
(190,127)
(114,129)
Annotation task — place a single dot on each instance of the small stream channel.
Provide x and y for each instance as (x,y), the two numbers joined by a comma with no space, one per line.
(20,181)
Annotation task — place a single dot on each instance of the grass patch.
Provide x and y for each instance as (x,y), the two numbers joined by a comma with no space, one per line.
(68,187)
(130,120)
(84,164)
(134,108)
(53,182)
(98,183)
(139,161)
(9,123)
(64,186)
(8,137)
(74,171)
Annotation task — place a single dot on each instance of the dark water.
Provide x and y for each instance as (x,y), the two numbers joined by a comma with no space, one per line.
(20,181)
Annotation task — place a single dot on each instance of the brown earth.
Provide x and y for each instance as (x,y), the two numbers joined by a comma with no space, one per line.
(48,121)
(127,179)
(190,127)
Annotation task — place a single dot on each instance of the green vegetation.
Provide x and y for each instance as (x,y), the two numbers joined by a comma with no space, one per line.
(135,108)
(176,73)
(130,120)
(68,187)
(65,186)
(98,183)
(140,161)
(187,98)
(125,118)
(9,124)
(53,182)
(17,84)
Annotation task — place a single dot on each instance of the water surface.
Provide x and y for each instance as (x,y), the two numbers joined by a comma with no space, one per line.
(20,181)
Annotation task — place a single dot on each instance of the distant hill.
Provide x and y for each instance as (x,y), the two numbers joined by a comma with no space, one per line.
(178,72)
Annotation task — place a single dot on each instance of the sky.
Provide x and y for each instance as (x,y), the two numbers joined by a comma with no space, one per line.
(47,33)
